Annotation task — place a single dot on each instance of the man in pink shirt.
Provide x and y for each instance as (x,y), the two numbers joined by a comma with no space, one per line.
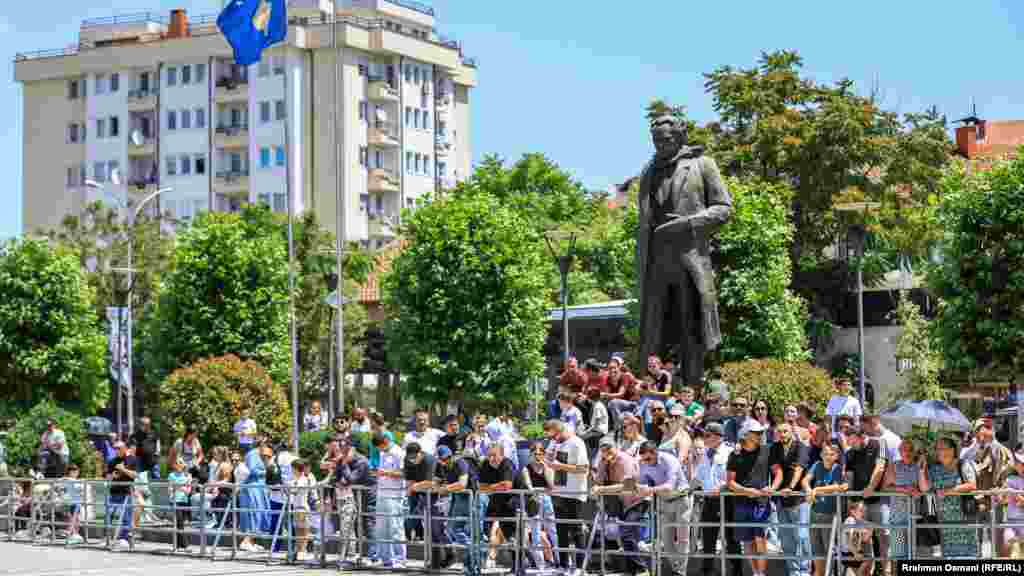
(617,473)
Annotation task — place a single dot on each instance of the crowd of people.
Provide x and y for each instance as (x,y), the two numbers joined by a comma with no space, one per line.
(610,438)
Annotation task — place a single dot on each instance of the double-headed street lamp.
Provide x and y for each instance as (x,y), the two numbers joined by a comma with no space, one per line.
(128,386)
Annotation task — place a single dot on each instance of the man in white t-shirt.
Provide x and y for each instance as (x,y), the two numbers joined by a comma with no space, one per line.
(390,492)
(843,404)
(423,435)
(570,463)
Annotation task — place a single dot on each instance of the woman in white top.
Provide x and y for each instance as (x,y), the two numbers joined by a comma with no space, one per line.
(299,487)
(188,449)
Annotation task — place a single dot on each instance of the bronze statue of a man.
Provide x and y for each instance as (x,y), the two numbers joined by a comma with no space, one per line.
(682,202)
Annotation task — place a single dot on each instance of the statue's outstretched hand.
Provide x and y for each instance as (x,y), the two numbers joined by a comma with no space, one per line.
(676,224)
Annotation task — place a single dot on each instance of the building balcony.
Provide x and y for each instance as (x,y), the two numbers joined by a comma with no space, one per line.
(380,90)
(232,89)
(443,146)
(147,148)
(382,135)
(381,180)
(142,183)
(232,136)
(379,226)
(141,100)
(443,100)
(231,182)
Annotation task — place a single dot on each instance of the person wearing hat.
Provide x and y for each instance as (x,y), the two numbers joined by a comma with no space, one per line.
(121,471)
(459,477)
(754,476)
(615,469)
(711,476)
(993,463)
(441,557)
(419,472)
(866,463)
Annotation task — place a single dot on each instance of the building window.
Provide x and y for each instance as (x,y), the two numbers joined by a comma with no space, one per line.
(280,202)
(264,112)
(408,162)
(279,110)
(72,176)
(236,162)
(101,128)
(426,75)
(99,171)
(172,76)
(73,89)
(172,120)
(82,172)
(200,114)
(416,74)
(426,164)
(408,115)
(410,203)
(278,65)
(115,126)
(279,157)
(200,164)
(418,163)
(378,159)
(264,199)
(200,73)
(186,119)
(416,118)
(263,69)
(364,201)
(186,164)
(408,73)
(362,155)
(101,84)
(186,74)
(264,157)
(380,203)
(426,120)
(362,110)
(115,82)
(72,133)
(171,165)
(144,82)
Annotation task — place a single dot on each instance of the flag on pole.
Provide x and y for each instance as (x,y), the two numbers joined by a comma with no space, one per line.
(250,26)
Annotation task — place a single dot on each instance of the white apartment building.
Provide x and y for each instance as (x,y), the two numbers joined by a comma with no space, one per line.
(159,100)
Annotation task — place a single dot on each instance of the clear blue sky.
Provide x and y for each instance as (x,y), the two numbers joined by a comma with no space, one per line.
(570,78)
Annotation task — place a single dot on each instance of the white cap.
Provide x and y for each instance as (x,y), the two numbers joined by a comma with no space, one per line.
(750,426)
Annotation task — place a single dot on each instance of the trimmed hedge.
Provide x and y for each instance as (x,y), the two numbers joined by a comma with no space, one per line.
(210,395)
(778,383)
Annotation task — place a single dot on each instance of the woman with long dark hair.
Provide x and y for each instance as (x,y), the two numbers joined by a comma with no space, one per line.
(949,478)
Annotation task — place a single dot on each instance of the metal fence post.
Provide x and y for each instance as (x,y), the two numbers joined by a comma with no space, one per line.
(202,522)
(520,537)
(721,528)
(235,499)
(474,521)
(324,511)
(911,531)
(428,552)
(992,524)
(106,515)
(53,515)
(603,516)
(656,543)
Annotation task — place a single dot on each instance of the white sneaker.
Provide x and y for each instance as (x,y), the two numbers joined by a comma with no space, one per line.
(644,547)
(21,534)
(75,539)
(490,564)
(123,544)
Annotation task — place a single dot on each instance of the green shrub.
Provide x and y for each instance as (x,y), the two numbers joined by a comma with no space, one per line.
(211,394)
(778,383)
(533,430)
(23,441)
(312,447)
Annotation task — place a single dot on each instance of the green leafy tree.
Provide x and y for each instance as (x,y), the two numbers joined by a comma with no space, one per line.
(211,395)
(467,317)
(778,383)
(227,294)
(51,344)
(981,279)
(915,347)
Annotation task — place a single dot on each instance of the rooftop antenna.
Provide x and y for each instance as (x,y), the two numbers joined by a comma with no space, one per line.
(972,119)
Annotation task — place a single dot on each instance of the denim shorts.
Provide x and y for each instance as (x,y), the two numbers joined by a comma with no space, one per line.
(751,512)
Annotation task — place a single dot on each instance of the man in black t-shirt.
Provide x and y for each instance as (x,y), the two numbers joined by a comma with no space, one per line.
(865,470)
(119,504)
(794,457)
(452,439)
(747,474)
(145,443)
(497,475)
(419,472)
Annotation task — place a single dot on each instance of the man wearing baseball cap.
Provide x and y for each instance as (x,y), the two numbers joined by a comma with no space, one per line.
(754,476)
(993,463)
(711,473)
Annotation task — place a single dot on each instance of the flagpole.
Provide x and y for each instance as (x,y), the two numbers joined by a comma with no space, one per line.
(340,228)
(293,364)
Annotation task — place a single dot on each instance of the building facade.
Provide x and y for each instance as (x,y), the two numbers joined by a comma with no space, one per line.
(148,101)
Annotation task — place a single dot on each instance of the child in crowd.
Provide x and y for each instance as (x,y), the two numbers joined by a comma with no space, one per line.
(181,494)
(1014,535)
(73,489)
(299,489)
(856,546)
(824,478)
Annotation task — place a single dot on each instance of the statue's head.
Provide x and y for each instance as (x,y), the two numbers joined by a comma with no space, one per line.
(668,134)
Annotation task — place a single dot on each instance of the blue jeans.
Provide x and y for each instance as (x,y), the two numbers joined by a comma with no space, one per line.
(370,523)
(275,522)
(154,474)
(115,505)
(459,533)
(483,499)
(545,521)
(630,535)
(796,541)
(389,527)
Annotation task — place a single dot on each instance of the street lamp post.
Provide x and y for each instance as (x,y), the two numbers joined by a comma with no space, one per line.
(128,386)
(857,234)
(564,262)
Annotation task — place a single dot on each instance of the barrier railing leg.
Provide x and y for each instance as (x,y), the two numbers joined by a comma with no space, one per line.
(428,550)
(604,532)
(106,516)
(520,537)
(992,524)
(721,528)
(653,534)
(474,522)
(911,532)
(202,523)
(324,511)
(234,524)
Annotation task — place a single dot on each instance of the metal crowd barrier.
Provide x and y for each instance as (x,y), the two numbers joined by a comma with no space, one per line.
(41,507)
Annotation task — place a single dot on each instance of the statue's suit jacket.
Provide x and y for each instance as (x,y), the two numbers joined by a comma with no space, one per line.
(697,193)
